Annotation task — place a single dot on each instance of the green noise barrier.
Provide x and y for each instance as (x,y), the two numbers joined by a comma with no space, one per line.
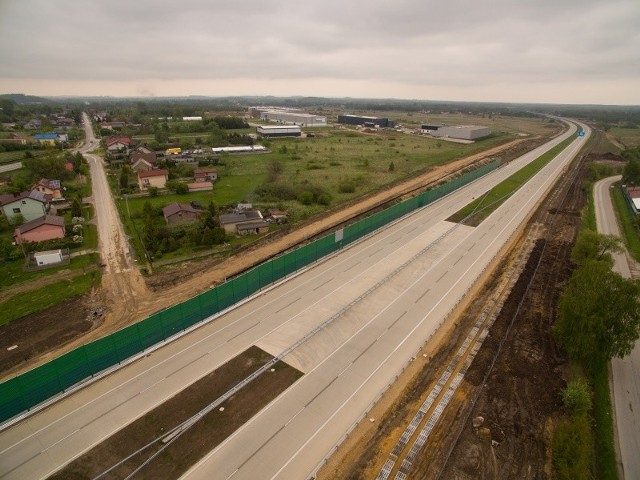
(35,386)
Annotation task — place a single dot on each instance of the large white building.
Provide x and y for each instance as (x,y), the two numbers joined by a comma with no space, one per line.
(288,116)
(462,132)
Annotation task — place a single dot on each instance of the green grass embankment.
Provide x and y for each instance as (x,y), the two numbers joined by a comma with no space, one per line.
(475,212)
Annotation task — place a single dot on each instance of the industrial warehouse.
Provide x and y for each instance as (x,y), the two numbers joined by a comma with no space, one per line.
(267,131)
(372,122)
(460,132)
(288,116)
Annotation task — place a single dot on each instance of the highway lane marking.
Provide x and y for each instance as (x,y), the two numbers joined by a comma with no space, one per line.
(363,352)
(260,448)
(62,439)
(352,266)
(395,321)
(287,305)
(420,297)
(189,364)
(320,392)
(244,331)
(456,262)
(373,253)
(442,276)
(21,464)
(323,284)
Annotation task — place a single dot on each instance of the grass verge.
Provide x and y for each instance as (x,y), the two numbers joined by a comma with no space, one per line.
(603,426)
(36,300)
(630,234)
(475,211)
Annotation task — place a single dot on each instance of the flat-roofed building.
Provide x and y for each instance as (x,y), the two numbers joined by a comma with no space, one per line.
(365,121)
(267,131)
(462,132)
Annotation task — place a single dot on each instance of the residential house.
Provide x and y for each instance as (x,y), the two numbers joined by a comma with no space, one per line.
(47,138)
(142,162)
(153,178)
(49,187)
(178,213)
(33,124)
(62,122)
(112,125)
(30,205)
(205,175)
(142,148)
(117,144)
(200,186)
(231,221)
(47,227)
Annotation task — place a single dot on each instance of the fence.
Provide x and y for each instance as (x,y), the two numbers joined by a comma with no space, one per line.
(35,386)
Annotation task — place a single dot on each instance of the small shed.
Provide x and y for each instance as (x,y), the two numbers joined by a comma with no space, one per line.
(48,257)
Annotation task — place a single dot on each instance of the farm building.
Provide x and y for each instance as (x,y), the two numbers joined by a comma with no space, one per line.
(44,228)
(462,132)
(267,131)
(231,221)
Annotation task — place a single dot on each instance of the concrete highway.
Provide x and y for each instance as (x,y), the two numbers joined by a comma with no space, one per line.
(626,371)
(384,297)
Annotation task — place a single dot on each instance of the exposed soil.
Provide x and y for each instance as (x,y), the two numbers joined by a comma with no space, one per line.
(125,298)
(518,396)
(199,439)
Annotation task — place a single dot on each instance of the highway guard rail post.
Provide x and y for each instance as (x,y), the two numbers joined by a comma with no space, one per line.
(30,389)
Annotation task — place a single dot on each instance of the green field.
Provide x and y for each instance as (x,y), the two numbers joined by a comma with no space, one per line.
(17,155)
(13,275)
(36,300)
(629,137)
(481,208)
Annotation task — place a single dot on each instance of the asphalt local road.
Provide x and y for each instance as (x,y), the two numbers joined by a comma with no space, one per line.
(381,300)
(626,371)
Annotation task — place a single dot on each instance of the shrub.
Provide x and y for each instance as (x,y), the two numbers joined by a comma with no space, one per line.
(347,186)
(577,397)
(306,197)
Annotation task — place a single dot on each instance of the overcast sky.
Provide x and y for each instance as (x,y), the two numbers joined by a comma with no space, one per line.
(556,51)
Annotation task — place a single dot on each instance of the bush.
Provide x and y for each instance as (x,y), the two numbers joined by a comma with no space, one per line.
(577,397)
(306,197)
(347,186)
(153,191)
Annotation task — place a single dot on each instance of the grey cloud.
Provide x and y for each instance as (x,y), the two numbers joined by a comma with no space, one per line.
(454,43)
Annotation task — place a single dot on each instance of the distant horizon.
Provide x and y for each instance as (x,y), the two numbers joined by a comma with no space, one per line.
(258,96)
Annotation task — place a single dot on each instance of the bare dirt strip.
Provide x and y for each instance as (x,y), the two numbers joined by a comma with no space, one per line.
(197,441)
